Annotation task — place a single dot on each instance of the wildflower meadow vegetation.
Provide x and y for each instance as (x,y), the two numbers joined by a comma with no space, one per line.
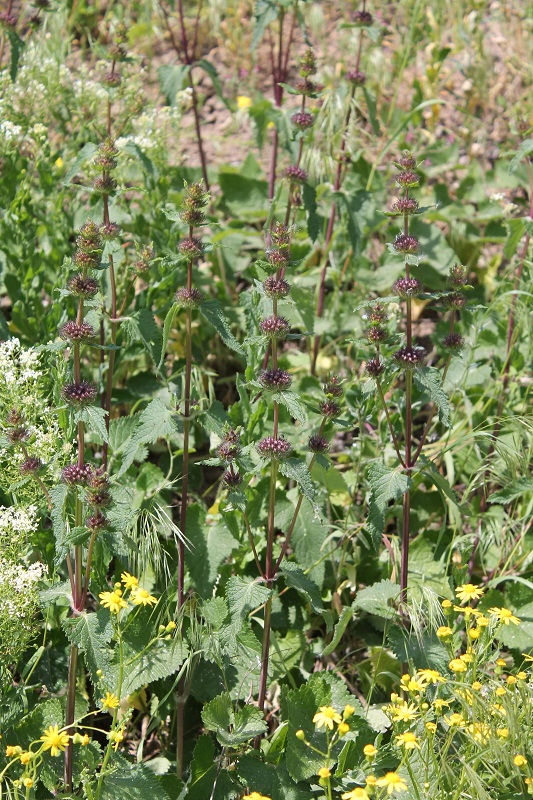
(266,426)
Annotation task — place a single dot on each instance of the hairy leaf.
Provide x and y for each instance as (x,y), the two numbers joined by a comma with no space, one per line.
(429,381)
(375,599)
(155,422)
(297,579)
(91,633)
(386,484)
(244,596)
(213,313)
(292,403)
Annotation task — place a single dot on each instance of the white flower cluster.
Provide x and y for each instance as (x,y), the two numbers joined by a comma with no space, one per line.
(151,129)
(18,519)
(18,364)
(21,578)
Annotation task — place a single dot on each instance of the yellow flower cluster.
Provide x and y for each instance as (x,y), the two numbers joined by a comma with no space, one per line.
(138,596)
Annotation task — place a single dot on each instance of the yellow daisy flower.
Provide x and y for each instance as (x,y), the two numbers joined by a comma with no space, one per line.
(110,701)
(142,597)
(54,740)
(128,580)
(457,665)
(455,720)
(468,591)
(430,676)
(504,615)
(404,712)
(369,750)
(327,716)
(408,740)
(255,796)
(324,773)
(393,782)
(356,794)
(444,631)
(519,760)
(113,601)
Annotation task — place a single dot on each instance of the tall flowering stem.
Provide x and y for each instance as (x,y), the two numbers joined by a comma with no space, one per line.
(279,65)
(188,298)
(105,185)
(410,357)
(86,484)
(276,448)
(506,367)
(186,45)
(357,78)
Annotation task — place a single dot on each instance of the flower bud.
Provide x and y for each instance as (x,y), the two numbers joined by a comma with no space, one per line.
(457,277)
(407,179)
(96,522)
(74,332)
(407,287)
(332,387)
(453,342)
(189,298)
(330,409)
(409,357)
(374,367)
(276,288)
(192,247)
(30,466)
(405,205)
(275,327)
(302,120)
(318,444)
(79,394)
(295,174)
(357,77)
(406,160)
(404,243)
(276,380)
(232,478)
(274,447)
(79,286)
(110,231)
(76,474)
(363,18)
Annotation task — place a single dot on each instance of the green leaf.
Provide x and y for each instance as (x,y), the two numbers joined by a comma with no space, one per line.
(297,470)
(94,419)
(292,403)
(427,652)
(16,46)
(307,540)
(266,11)
(386,484)
(516,231)
(217,715)
(248,724)
(313,221)
(142,326)
(167,327)
(429,381)
(206,782)
(213,313)
(91,633)
(297,579)
(155,422)
(160,660)
(376,599)
(211,70)
(519,637)
(244,596)
(523,151)
(440,482)
(131,782)
(341,625)
(172,78)
(58,496)
(211,545)
(85,154)
(514,489)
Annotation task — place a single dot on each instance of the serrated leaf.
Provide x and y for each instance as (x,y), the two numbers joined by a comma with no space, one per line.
(155,422)
(172,78)
(93,417)
(167,327)
(244,596)
(386,484)
(16,46)
(206,781)
(297,579)
(516,231)
(58,496)
(265,12)
(142,326)
(429,381)
(427,652)
(160,660)
(292,403)
(211,70)
(91,633)
(297,470)
(340,626)
(248,724)
(218,715)
(513,490)
(213,313)
(376,599)
(524,150)
(313,221)
(84,155)
(131,782)
(211,545)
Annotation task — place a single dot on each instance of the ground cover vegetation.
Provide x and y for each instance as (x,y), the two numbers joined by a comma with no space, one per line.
(265,400)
